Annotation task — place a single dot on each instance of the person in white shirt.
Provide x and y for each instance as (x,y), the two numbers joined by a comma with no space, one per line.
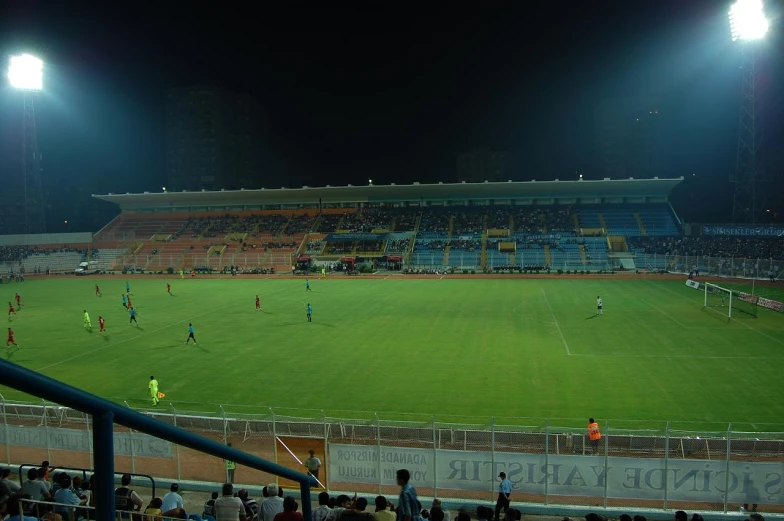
(172,500)
(322,511)
(272,504)
(227,507)
(599,306)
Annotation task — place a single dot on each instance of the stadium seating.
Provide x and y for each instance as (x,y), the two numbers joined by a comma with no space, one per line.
(455,235)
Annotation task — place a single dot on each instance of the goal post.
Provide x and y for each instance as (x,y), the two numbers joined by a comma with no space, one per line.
(732,304)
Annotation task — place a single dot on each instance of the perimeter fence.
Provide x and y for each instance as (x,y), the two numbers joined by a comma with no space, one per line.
(549,462)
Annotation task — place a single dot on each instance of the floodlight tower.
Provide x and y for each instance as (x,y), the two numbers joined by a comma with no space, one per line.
(25,73)
(748,26)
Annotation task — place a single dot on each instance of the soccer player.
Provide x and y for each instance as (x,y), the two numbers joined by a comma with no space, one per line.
(129,302)
(307,285)
(10,341)
(258,303)
(125,301)
(168,288)
(133,317)
(182,274)
(87,325)
(127,287)
(18,301)
(102,324)
(153,386)
(599,306)
(310,313)
(191,333)
(11,310)
(98,291)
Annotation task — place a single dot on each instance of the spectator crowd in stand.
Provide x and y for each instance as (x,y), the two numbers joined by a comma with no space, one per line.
(712,246)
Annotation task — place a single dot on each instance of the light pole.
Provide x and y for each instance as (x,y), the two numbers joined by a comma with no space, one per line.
(25,72)
(748,26)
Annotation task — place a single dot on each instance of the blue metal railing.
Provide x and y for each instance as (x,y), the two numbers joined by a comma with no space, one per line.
(106,413)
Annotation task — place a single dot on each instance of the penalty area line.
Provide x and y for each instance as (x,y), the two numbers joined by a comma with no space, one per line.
(557,325)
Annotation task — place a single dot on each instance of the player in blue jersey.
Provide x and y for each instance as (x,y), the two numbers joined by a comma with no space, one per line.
(191,335)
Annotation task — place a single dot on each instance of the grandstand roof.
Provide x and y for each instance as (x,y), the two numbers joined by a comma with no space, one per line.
(388,193)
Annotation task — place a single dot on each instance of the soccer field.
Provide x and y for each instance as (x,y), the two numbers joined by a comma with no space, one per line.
(462,350)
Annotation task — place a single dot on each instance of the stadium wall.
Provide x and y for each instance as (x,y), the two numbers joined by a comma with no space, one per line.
(672,467)
(44,239)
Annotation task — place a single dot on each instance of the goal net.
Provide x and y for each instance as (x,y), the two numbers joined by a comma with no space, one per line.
(732,304)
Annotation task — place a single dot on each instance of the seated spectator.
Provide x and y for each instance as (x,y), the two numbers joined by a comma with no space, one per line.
(173,499)
(49,513)
(250,505)
(12,509)
(438,505)
(11,485)
(289,513)
(125,498)
(228,507)
(383,511)
(272,505)
(154,509)
(66,496)
(34,487)
(209,506)
(321,512)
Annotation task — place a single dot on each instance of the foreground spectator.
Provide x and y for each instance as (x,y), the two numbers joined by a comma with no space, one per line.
(272,505)
(12,507)
(154,509)
(408,504)
(66,496)
(250,505)
(209,506)
(125,498)
(383,512)
(227,507)
(173,499)
(321,512)
(289,513)
(10,484)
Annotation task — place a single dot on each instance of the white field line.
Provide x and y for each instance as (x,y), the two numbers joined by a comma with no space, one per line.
(557,325)
(735,319)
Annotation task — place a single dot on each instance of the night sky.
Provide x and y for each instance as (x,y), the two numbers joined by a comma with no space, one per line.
(391,93)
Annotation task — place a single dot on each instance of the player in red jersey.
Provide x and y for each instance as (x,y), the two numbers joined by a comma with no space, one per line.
(258,303)
(129,301)
(98,291)
(11,341)
(101,323)
(11,310)
(168,288)
(18,301)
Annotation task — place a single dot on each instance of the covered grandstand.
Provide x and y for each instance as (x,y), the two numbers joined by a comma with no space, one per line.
(478,226)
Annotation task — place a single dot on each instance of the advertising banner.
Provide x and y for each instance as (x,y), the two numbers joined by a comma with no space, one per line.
(745,231)
(568,475)
(58,438)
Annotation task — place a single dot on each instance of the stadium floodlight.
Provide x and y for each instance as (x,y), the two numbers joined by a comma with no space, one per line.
(747,20)
(26,72)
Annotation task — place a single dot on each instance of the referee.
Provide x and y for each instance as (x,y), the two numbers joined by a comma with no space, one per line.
(504,493)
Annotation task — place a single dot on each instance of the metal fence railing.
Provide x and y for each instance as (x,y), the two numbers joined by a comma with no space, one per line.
(667,466)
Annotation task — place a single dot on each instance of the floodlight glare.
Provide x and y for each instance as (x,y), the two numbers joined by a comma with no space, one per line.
(747,20)
(26,72)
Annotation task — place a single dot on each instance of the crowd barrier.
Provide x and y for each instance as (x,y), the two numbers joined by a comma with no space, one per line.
(668,467)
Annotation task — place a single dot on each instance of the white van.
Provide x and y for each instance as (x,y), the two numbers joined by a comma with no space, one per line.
(87,268)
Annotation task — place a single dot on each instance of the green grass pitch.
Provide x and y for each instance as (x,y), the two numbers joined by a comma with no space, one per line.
(460,350)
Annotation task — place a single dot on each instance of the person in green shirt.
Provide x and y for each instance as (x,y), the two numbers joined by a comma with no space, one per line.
(230,467)
(154,390)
